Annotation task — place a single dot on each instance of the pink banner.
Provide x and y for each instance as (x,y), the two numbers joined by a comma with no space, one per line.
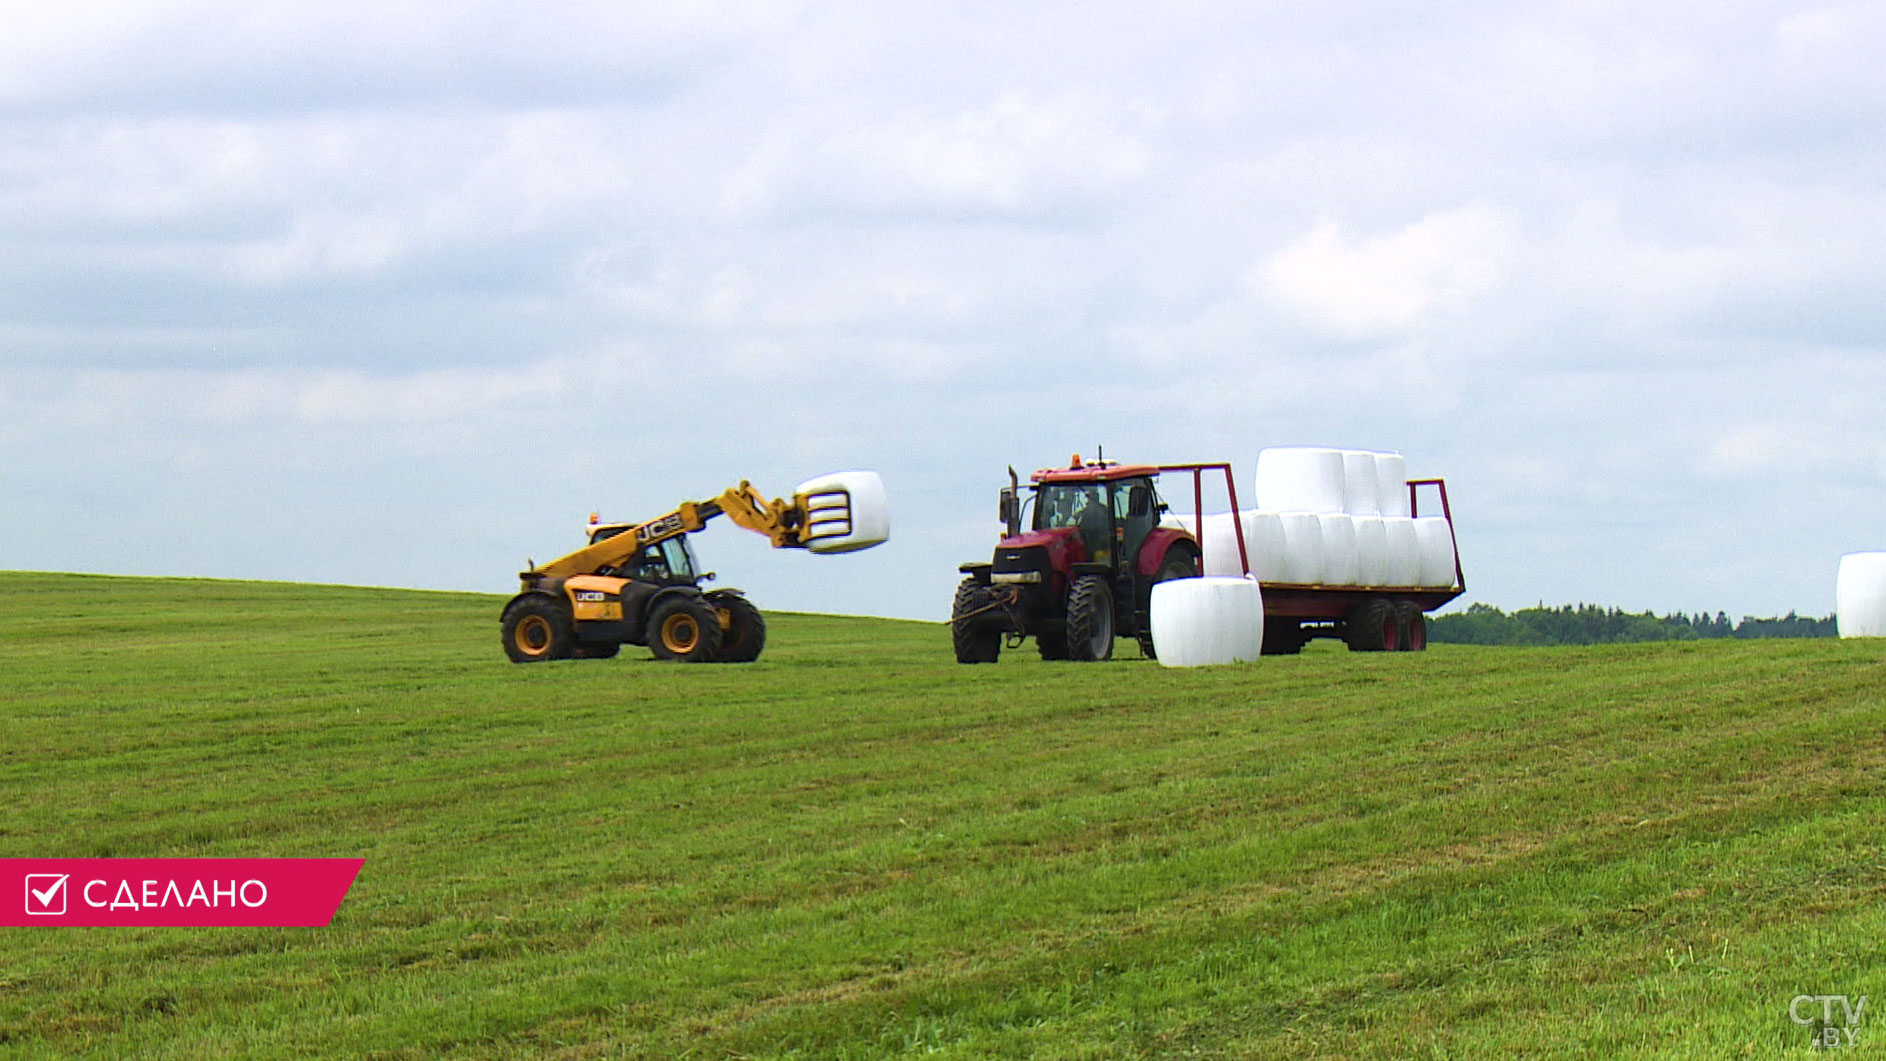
(186,892)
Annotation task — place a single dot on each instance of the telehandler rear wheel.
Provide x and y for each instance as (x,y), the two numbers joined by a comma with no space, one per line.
(684,629)
(538,628)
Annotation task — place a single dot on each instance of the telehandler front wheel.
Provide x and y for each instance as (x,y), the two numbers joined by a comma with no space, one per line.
(538,628)
(745,632)
(684,629)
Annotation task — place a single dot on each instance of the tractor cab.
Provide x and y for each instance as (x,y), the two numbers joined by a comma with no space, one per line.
(1111,507)
(664,563)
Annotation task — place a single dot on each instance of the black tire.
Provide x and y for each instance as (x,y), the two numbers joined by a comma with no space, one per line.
(973,641)
(538,628)
(596,649)
(1373,626)
(1051,646)
(1413,627)
(685,629)
(1180,562)
(1283,637)
(745,635)
(1090,620)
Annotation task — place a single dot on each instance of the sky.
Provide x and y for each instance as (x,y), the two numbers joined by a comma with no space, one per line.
(397,294)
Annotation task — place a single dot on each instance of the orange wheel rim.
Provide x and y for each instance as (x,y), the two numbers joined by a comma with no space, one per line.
(680,634)
(534,635)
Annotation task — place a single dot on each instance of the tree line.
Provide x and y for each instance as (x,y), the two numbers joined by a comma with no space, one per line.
(1590,624)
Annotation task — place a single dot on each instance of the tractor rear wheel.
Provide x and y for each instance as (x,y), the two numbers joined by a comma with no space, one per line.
(1180,562)
(745,634)
(538,628)
(1373,626)
(1090,620)
(684,629)
(974,642)
(1414,627)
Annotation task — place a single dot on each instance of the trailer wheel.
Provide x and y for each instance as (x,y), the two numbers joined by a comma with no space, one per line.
(1180,562)
(684,629)
(538,628)
(745,633)
(1283,637)
(1090,620)
(1373,626)
(973,642)
(1413,627)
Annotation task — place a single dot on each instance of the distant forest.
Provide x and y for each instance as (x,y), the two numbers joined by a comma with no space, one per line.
(1589,624)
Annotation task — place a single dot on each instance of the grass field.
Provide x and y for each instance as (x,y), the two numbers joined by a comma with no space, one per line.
(856,848)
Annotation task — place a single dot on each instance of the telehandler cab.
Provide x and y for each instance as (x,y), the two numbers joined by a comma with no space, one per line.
(638,584)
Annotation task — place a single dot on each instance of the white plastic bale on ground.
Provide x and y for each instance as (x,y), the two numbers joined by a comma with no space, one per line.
(1391,484)
(1404,551)
(1303,548)
(1361,493)
(1342,564)
(1435,540)
(845,511)
(1197,622)
(1860,595)
(1371,551)
(1300,479)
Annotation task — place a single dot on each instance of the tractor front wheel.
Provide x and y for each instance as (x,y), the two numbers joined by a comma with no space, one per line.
(538,628)
(684,629)
(1090,620)
(974,642)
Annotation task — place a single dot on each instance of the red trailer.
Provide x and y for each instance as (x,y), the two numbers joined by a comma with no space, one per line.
(1083,572)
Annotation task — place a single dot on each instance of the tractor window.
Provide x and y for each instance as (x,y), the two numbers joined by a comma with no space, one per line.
(1084,506)
(1065,504)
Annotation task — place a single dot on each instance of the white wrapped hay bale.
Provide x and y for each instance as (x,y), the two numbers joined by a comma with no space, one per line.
(1267,545)
(1361,492)
(1434,539)
(1219,540)
(1371,551)
(1860,595)
(1303,549)
(1391,484)
(1404,551)
(1198,622)
(1342,565)
(1300,479)
(845,512)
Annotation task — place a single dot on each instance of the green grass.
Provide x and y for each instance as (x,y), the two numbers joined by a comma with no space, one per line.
(857,849)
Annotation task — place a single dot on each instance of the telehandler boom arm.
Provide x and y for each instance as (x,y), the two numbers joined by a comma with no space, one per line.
(781,521)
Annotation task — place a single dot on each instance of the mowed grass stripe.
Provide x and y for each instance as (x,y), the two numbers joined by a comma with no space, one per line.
(856,848)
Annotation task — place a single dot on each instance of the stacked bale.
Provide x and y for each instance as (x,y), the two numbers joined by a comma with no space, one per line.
(1331,517)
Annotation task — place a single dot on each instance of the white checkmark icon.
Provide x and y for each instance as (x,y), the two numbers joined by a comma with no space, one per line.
(44,898)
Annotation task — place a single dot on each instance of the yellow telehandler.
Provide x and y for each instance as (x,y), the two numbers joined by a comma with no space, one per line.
(637,583)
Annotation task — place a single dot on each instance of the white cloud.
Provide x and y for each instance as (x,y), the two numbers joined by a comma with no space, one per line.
(1395,283)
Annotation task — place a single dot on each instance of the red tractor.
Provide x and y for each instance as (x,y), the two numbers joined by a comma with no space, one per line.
(1083,574)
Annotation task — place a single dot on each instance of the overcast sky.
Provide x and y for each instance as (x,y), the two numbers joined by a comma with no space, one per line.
(397,294)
